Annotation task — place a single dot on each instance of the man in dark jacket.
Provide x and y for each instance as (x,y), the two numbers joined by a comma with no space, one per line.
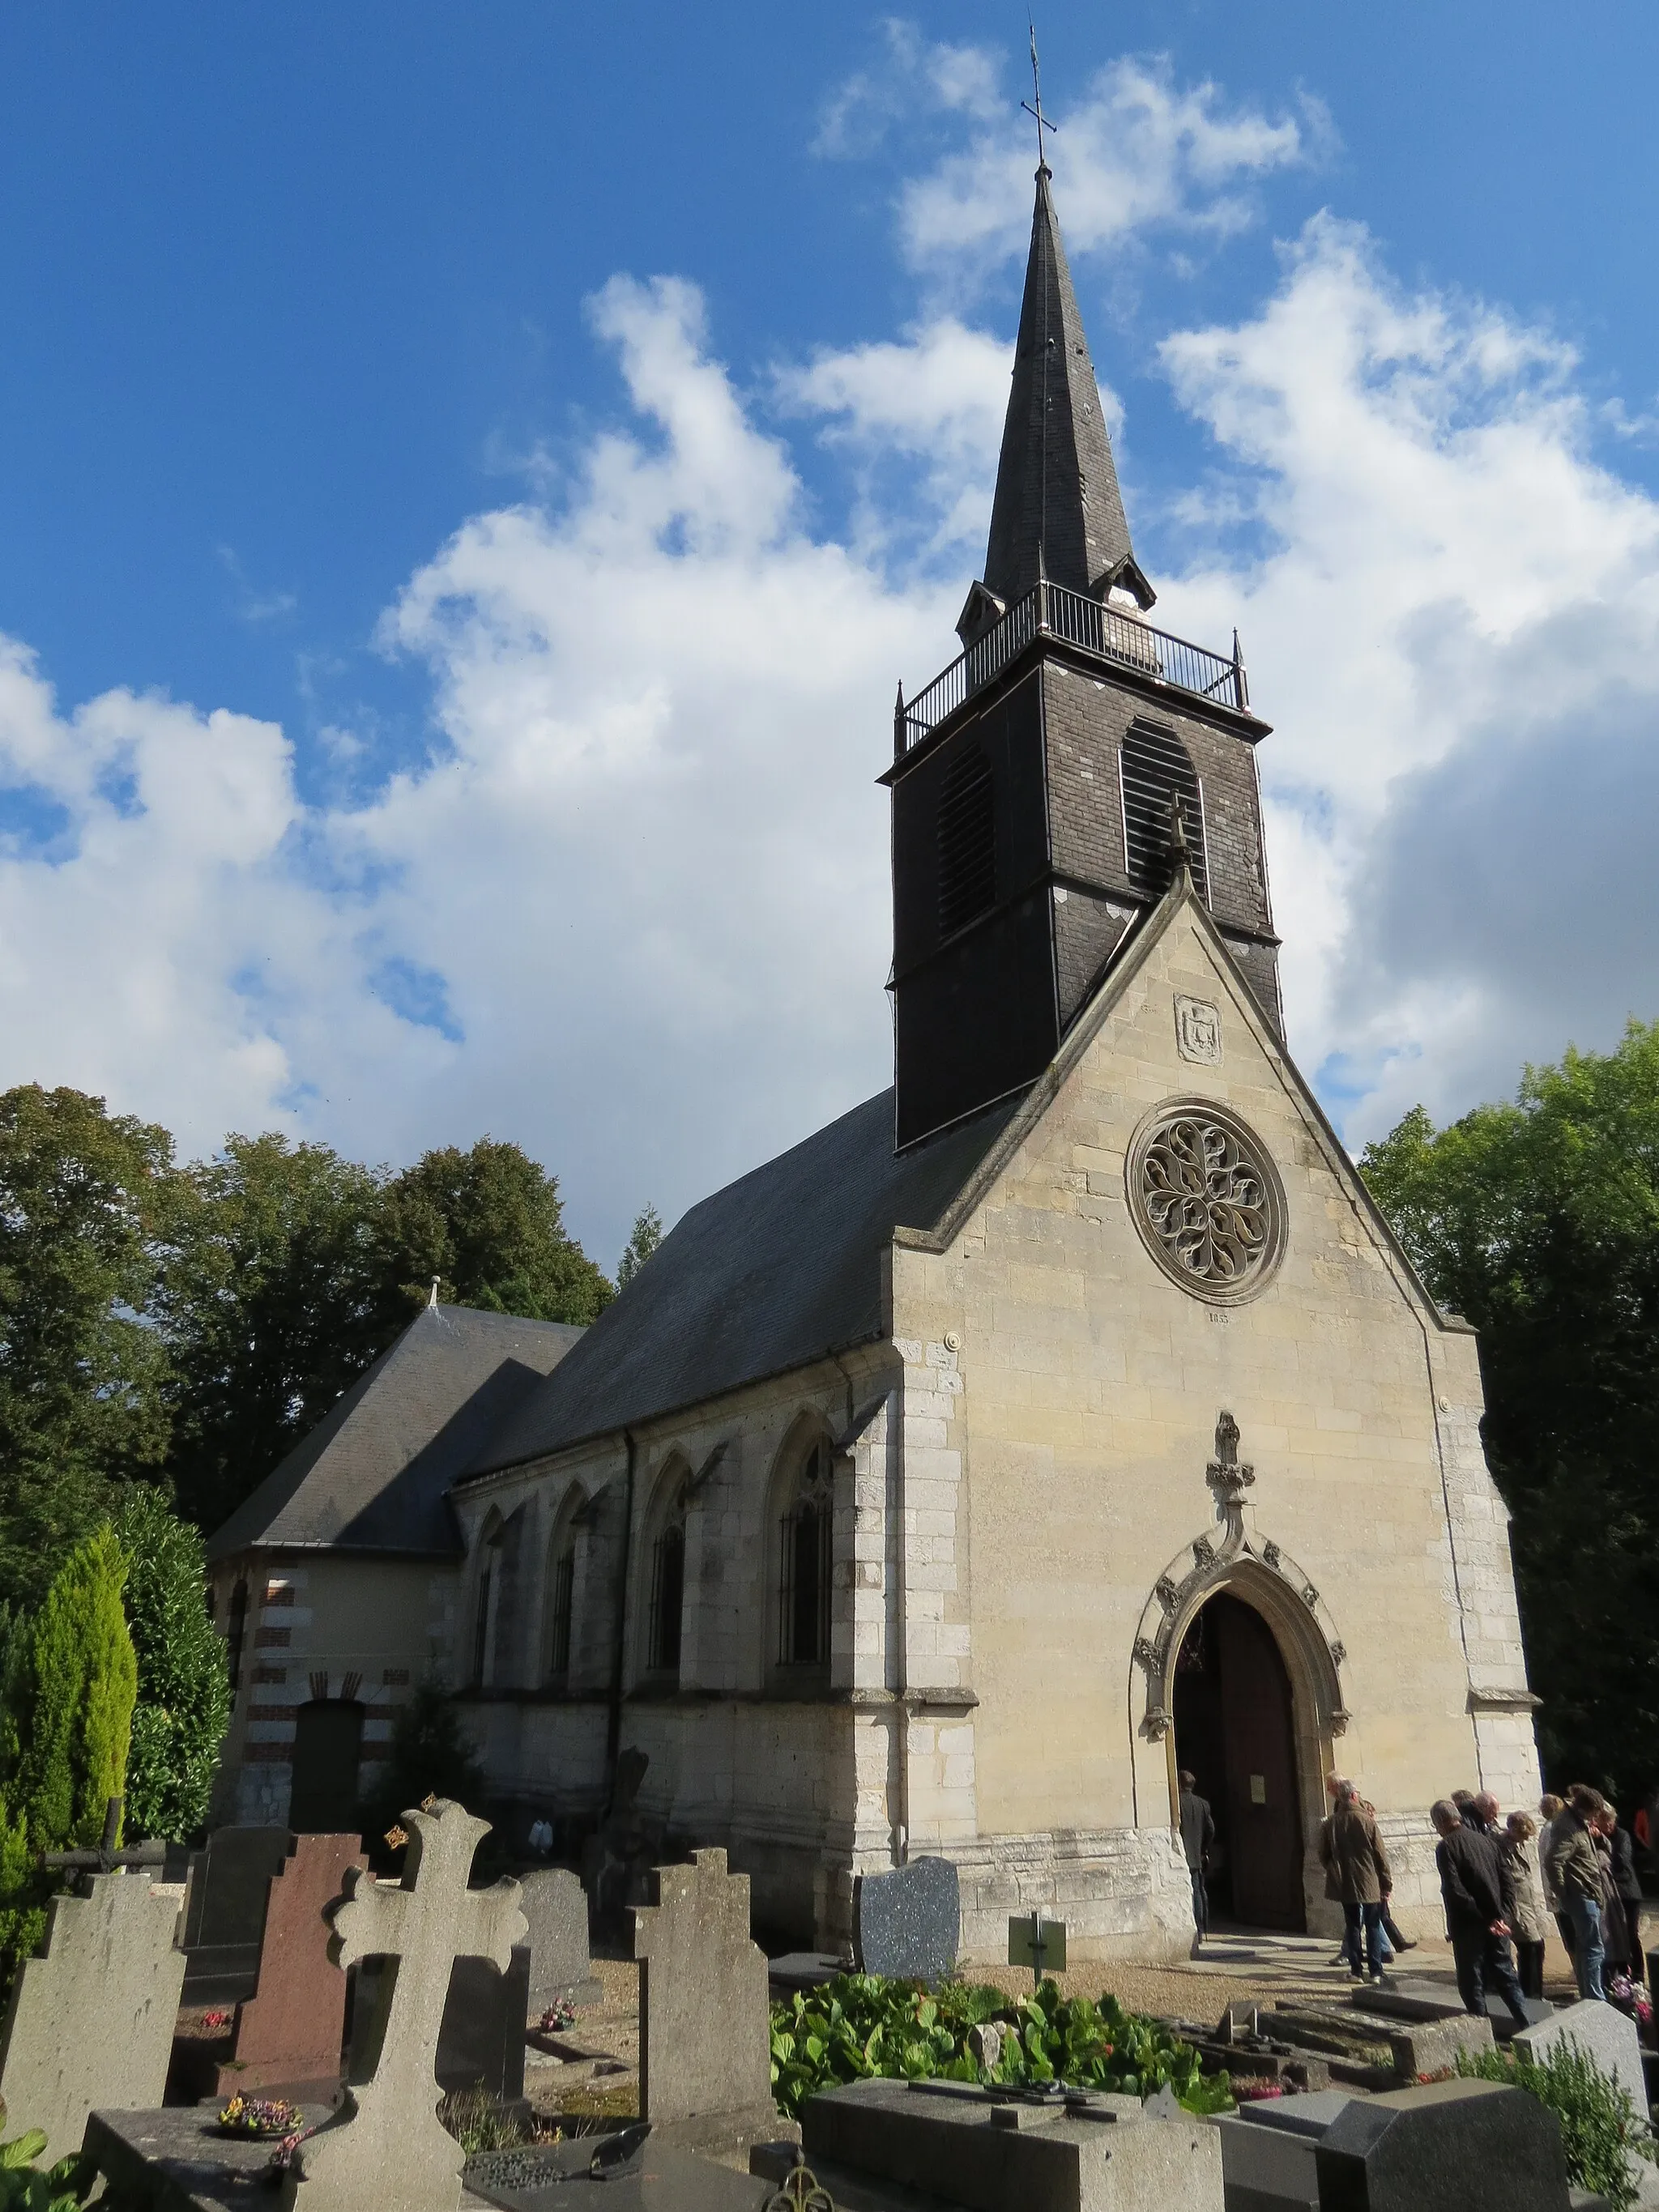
(1351,1851)
(1475,1884)
(1197,1836)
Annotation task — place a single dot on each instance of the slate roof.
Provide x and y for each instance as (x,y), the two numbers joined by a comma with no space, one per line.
(777,1270)
(375,1472)
(1057,485)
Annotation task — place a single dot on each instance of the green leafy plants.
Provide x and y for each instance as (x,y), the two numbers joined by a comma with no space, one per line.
(24,2188)
(184,1686)
(861,2026)
(1600,2132)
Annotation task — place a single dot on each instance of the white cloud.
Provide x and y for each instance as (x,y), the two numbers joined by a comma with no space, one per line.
(633,910)
(1453,625)
(1138,152)
(909,74)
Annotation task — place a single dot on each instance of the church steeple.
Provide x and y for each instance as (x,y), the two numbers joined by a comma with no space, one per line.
(1058,510)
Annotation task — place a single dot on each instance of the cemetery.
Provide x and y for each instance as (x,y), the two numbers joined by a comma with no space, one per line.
(282,2026)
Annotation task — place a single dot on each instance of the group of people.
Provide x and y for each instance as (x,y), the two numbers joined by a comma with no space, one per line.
(1501,1881)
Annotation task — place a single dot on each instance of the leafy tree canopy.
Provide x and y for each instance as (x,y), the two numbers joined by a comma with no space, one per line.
(83,1401)
(488,1224)
(643,1240)
(272,1301)
(1539,1222)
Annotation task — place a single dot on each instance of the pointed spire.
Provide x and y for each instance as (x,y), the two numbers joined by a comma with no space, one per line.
(1057,509)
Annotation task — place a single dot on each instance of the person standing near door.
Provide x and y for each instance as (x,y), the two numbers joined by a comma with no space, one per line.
(1353,1851)
(1473,1884)
(1197,1838)
(1575,1872)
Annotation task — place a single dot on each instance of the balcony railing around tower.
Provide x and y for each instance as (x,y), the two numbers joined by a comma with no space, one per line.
(1108,633)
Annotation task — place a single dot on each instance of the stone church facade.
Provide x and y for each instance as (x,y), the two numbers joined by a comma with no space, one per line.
(1066,1413)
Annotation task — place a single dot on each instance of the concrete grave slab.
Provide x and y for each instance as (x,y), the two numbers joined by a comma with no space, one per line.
(705,2035)
(481,2042)
(907,1924)
(989,2154)
(1442,2147)
(90,2021)
(554,1907)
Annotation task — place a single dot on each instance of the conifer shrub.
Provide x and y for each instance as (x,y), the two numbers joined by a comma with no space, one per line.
(71,1681)
(183,1709)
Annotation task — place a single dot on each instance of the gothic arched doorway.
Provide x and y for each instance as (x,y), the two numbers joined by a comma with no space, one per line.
(1235,1729)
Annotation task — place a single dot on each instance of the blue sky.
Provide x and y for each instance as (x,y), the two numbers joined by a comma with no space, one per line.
(446,668)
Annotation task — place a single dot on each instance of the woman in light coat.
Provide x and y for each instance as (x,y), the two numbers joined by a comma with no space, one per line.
(1531,1913)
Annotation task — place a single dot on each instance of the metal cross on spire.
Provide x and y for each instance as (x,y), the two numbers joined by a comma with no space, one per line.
(1034,106)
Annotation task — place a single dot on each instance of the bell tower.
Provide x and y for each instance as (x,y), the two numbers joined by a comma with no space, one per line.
(1035,782)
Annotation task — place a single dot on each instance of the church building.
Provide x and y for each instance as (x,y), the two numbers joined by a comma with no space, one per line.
(1064,1416)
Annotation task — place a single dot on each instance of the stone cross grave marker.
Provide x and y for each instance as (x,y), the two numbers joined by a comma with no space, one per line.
(90,2022)
(907,1924)
(387,2146)
(289,2032)
(705,2040)
(561,1970)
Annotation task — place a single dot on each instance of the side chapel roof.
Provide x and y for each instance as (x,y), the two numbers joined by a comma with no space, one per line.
(375,1472)
(779,1269)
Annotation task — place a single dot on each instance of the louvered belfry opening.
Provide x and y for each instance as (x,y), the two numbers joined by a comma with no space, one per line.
(1155,767)
(966,841)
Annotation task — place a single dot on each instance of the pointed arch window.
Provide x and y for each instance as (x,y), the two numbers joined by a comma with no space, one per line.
(486,1596)
(966,841)
(561,1600)
(805,1530)
(665,1608)
(1155,769)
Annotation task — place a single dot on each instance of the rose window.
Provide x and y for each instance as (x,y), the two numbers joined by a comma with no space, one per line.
(1205,1199)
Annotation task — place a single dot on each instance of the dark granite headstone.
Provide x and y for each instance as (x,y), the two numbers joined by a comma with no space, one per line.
(480,2043)
(1442,2147)
(225,1912)
(909,1924)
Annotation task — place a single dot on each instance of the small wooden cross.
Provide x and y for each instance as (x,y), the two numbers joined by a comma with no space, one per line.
(387,2147)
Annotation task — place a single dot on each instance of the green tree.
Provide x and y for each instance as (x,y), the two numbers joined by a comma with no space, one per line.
(490,1225)
(1539,1222)
(184,1686)
(71,1682)
(273,1302)
(83,1404)
(643,1240)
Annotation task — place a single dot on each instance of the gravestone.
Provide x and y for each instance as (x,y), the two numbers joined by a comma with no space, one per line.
(907,1924)
(705,2038)
(90,2021)
(554,1904)
(289,2032)
(1604,2034)
(989,2154)
(386,2145)
(225,1912)
(1442,2147)
(481,2040)
(1267,2151)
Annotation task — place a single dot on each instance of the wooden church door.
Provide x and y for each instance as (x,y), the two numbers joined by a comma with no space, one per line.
(1233,1729)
